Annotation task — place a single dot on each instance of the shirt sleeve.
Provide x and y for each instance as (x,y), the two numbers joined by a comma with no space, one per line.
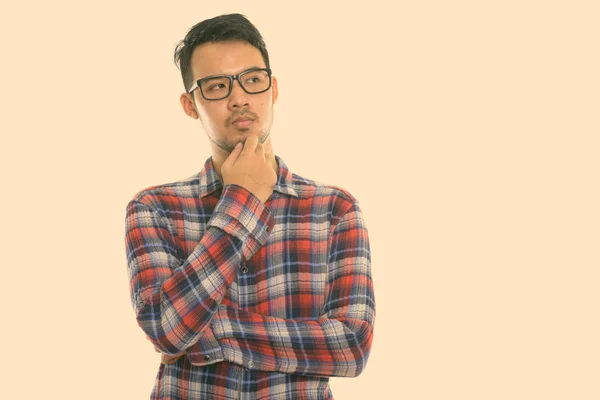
(338,343)
(174,300)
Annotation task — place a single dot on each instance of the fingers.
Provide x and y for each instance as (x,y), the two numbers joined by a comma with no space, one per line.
(166,359)
(268,155)
(250,144)
(233,156)
(259,148)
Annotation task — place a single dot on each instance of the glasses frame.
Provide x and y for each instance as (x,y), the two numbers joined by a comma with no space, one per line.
(231,78)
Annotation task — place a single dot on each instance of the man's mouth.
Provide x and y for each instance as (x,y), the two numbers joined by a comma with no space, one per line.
(241,122)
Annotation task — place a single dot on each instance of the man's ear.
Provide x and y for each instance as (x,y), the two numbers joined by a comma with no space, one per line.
(275,89)
(188,105)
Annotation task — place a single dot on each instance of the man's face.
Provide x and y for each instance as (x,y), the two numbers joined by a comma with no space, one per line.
(218,116)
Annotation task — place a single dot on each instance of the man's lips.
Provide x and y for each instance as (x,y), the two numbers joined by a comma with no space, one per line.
(240,122)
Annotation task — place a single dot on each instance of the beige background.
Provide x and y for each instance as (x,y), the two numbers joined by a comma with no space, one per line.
(473,150)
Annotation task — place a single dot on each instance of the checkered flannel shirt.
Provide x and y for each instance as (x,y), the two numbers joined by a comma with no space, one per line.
(268,300)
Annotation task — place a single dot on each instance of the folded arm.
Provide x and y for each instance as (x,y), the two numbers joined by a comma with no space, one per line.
(174,301)
(337,343)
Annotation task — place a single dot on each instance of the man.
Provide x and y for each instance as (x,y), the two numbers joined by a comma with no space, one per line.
(253,282)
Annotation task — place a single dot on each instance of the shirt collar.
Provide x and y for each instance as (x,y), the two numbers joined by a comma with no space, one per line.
(209,180)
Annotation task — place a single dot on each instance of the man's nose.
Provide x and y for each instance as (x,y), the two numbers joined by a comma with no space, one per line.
(238,97)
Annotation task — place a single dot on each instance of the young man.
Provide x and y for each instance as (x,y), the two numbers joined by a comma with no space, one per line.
(253,282)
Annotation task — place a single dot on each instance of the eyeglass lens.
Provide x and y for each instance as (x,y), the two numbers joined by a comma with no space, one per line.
(251,81)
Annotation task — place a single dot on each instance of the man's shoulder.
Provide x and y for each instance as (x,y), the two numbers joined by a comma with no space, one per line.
(318,190)
(159,193)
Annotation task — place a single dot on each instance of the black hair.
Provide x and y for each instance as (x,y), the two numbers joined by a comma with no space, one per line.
(223,28)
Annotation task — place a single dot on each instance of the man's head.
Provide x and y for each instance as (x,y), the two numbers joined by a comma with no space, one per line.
(227,45)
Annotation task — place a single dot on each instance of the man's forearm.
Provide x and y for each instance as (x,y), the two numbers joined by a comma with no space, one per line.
(338,342)
(175,302)
(323,346)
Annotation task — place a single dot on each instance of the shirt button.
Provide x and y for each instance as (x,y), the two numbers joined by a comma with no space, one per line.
(206,358)
(250,364)
(268,228)
(244,269)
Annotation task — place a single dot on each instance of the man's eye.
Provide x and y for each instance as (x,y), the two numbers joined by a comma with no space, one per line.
(217,86)
(254,79)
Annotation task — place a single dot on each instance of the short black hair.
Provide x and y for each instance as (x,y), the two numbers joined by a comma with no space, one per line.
(223,28)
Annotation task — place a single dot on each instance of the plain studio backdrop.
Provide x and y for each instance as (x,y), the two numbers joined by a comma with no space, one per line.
(467,130)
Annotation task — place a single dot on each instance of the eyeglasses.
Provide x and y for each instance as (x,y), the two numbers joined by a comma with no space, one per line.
(217,87)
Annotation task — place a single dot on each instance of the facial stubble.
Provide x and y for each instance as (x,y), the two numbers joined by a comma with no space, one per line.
(228,146)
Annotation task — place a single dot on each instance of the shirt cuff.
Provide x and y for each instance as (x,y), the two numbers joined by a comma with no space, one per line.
(206,350)
(241,214)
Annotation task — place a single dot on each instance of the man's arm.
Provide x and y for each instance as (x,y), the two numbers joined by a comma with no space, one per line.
(337,343)
(175,301)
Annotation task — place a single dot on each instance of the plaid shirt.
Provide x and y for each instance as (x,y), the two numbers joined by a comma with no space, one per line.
(268,300)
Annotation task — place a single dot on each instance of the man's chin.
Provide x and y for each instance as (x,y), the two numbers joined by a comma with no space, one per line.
(244,131)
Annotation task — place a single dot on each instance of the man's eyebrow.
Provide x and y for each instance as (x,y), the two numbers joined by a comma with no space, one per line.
(215,75)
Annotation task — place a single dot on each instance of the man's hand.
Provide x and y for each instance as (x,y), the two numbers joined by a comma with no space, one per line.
(249,167)
(166,359)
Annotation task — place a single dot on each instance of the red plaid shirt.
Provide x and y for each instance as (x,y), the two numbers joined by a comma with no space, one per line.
(268,300)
